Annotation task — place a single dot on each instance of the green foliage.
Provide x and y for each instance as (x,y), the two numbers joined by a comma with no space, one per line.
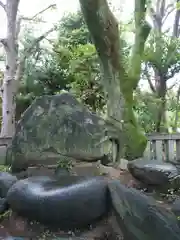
(172,109)
(163,53)
(3,168)
(42,76)
(178,5)
(64,164)
(73,65)
(145,107)
(73,30)
(75,53)
(85,68)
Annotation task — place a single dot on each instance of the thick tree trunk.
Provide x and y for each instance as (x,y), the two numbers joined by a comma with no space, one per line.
(117,82)
(9,87)
(161,86)
(161,125)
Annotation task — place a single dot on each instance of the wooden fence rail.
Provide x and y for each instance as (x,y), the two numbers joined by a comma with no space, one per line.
(163,147)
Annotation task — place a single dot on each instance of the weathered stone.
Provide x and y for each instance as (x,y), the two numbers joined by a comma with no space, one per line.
(153,172)
(57,128)
(139,217)
(6,181)
(69,202)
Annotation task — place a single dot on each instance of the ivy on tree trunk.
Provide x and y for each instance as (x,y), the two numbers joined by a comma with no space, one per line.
(118,82)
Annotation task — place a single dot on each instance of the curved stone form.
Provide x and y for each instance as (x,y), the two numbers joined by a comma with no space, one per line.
(153,172)
(139,217)
(71,202)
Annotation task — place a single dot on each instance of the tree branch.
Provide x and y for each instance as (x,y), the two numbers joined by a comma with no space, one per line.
(105,34)
(176,22)
(152,87)
(167,15)
(173,85)
(3,41)
(37,14)
(28,51)
(169,6)
(157,20)
(162,8)
(153,13)
(39,39)
(175,34)
(3,6)
(44,10)
(18,27)
(142,30)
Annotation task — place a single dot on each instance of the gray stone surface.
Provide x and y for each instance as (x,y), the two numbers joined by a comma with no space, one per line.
(154,172)
(57,128)
(139,217)
(70,202)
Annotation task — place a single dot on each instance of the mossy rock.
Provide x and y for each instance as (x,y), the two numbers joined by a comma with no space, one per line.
(54,127)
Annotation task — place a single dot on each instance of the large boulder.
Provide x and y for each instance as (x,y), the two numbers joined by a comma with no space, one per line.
(139,217)
(153,172)
(57,128)
(70,202)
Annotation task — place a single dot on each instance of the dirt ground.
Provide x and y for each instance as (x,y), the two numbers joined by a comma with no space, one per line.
(13,225)
(19,227)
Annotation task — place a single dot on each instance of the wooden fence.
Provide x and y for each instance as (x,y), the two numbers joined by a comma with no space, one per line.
(163,147)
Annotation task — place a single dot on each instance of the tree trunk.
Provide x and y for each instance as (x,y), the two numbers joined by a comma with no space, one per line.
(9,87)
(14,66)
(161,86)
(176,22)
(117,82)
